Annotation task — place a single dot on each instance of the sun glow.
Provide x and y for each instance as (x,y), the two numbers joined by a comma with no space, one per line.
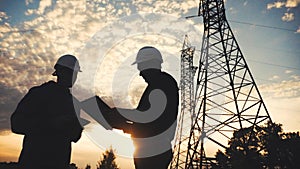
(104,139)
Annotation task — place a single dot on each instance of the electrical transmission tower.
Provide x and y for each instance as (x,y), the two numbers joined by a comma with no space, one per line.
(185,122)
(226,96)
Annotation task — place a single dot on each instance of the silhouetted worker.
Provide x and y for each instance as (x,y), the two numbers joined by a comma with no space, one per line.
(47,117)
(152,124)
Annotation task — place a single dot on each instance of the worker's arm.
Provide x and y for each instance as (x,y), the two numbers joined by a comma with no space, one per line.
(142,118)
(117,119)
(96,109)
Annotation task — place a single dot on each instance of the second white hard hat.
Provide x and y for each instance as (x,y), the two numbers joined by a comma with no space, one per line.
(148,53)
(68,61)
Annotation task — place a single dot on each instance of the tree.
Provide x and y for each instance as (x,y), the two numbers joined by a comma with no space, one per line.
(10,165)
(290,150)
(73,166)
(108,160)
(243,150)
(260,147)
(88,166)
(281,149)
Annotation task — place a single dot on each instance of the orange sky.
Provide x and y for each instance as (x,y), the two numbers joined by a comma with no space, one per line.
(83,152)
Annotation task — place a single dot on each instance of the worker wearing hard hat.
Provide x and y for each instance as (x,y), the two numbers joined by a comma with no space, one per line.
(152,124)
(46,116)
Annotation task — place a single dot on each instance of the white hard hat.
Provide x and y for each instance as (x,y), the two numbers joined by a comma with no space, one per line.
(68,61)
(148,53)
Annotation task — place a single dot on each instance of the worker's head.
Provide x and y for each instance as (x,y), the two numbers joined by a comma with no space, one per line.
(66,69)
(148,58)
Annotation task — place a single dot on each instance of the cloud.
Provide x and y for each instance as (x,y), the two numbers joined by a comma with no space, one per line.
(284,89)
(24,58)
(280,4)
(288,71)
(292,3)
(275,5)
(3,16)
(27,2)
(275,77)
(298,30)
(295,77)
(9,98)
(288,17)
(43,5)
(288,5)
(42,8)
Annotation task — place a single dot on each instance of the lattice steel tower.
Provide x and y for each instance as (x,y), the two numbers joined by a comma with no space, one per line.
(226,95)
(185,121)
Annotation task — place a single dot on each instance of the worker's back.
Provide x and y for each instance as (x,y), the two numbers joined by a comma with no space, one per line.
(47,118)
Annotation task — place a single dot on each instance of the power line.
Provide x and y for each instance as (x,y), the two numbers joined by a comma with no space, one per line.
(271,64)
(264,26)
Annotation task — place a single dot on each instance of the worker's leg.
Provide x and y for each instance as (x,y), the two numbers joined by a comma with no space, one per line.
(160,161)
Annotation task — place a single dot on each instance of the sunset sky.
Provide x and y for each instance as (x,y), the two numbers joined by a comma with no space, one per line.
(105,35)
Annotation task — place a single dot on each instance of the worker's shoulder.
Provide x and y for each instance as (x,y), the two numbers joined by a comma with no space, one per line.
(43,87)
(169,79)
(167,76)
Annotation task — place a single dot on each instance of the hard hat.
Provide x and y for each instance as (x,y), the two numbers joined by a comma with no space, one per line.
(148,53)
(68,61)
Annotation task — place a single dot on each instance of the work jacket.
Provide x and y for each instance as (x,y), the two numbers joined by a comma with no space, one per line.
(46,116)
(155,132)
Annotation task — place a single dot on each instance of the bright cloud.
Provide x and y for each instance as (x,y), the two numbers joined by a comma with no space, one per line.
(288,17)
(280,4)
(275,5)
(288,71)
(43,5)
(288,4)
(284,89)
(292,3)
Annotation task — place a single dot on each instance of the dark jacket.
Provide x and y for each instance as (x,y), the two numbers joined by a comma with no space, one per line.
(47,117)
(143,132)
